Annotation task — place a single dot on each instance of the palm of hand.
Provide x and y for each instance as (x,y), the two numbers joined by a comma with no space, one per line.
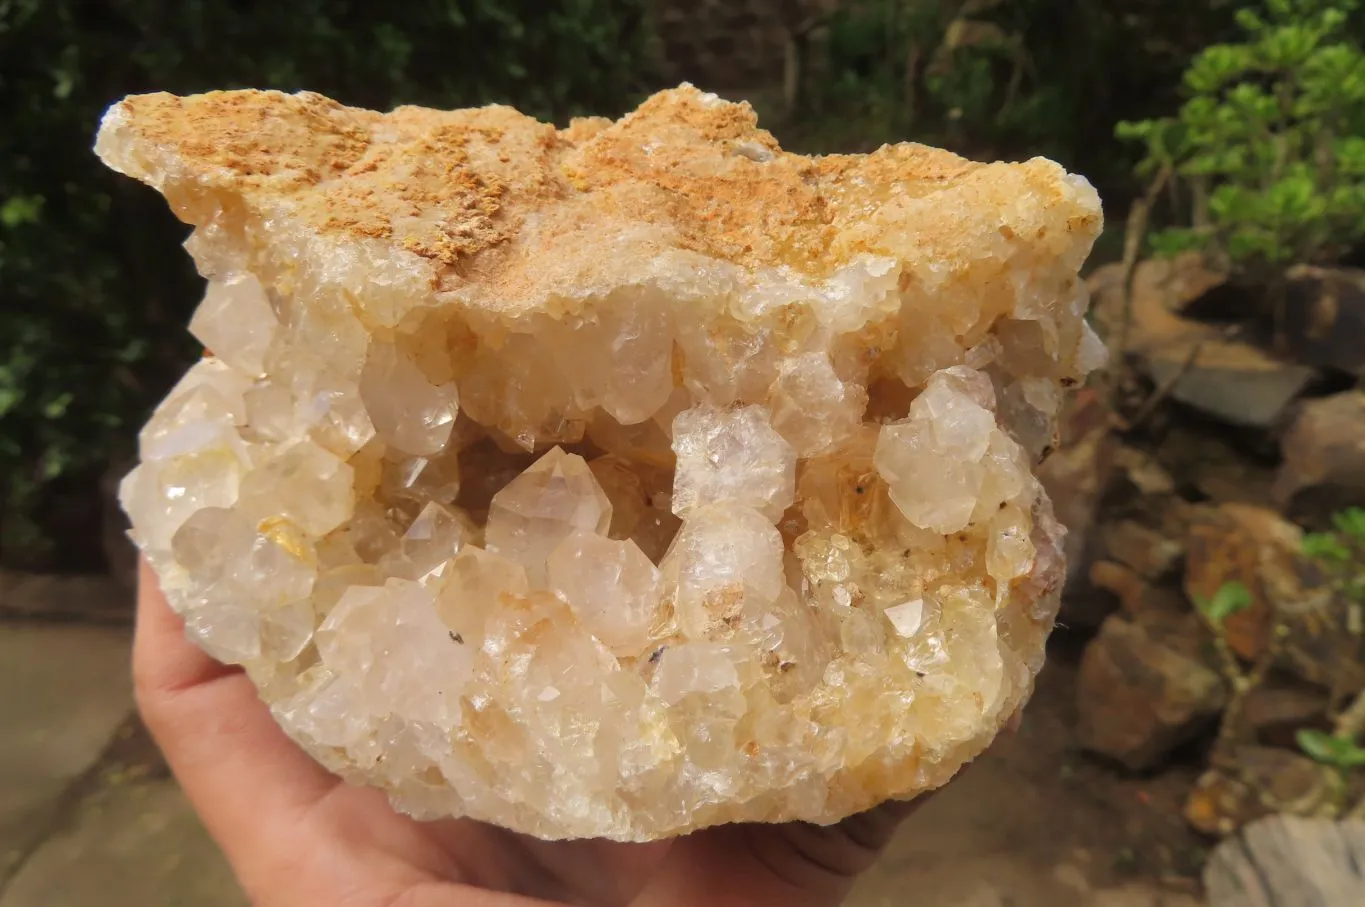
(298,837)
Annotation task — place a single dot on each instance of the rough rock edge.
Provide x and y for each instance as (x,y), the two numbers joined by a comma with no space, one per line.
(522,209)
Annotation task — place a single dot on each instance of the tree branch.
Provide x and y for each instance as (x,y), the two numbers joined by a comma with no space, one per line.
(1135,231)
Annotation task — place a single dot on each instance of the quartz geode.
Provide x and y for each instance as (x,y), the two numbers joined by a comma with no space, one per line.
(616,480)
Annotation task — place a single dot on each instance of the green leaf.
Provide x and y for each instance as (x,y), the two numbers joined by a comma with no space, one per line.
(1134,130)
(1328,749)
(1325,546)
(18,210)
(1249,21)
(1230,598)
(1172,242)
(1217,65)
(133,351)
(9,399)
(1351,521)
(56,407)
(54,461)
(1319,746)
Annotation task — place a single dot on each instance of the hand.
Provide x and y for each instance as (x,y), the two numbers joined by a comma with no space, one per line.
(298,836)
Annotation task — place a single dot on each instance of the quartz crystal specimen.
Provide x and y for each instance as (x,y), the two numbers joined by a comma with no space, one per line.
(615,480)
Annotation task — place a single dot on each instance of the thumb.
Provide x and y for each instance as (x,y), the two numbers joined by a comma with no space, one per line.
(792,865)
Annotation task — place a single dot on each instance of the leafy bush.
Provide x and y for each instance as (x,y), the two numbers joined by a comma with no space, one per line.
(951,73)
(1270,142)
(93,294)
(1003,78)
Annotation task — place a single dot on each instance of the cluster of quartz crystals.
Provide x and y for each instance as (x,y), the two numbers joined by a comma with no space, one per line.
(693,540)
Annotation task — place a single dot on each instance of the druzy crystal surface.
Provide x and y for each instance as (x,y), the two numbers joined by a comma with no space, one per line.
(615,480)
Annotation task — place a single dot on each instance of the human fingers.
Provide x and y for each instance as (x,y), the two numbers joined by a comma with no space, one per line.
(237,767)
(795,864)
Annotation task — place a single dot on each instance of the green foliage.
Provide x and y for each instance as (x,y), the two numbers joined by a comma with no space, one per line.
(1230,598)
(1325,546)
(93,296)
(1351,523)
(1337,752)
(947,72)
(1341,554)
(1270,141)
(1002,78)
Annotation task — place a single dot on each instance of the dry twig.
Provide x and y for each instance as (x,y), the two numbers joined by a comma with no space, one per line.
(1240,684)
(1163,391)
(1135,231)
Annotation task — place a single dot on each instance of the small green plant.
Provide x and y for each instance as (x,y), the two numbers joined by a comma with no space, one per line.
(1270,143)
(1230,598)
(1339,753)
(1331,750)
(1341,555)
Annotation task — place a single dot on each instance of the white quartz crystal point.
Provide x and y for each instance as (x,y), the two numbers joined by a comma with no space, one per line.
(407,410)
(623,487)
(361,641)
(302,483)
(632,376)
(201,414)
(431,541)
(612,587)
(422,479)
(192,456)
(1009,550)
(726,557)
(732,455)
(696,668)
(247,593)
(478,583)
(230,562)
(236,322)
(938,460)
(556,496)
(812,407)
